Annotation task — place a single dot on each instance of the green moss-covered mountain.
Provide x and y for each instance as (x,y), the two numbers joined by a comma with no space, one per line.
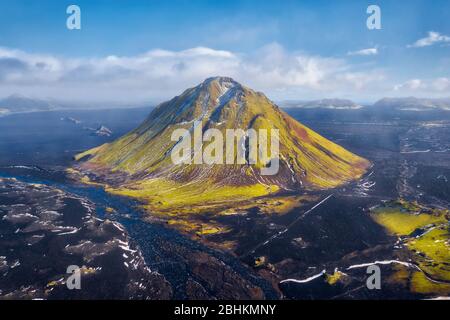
(139,164)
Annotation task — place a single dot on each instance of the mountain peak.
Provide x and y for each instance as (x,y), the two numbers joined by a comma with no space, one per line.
(220,79)
(221,85)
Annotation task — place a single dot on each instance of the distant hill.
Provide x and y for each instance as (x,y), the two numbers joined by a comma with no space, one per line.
(387,109)
(335,104)
(412,104)
(385,104)
(18,103)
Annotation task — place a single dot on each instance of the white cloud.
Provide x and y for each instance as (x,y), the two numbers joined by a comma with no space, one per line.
(364,52)
(437,85)
(412,84)
(441,84)
(432,38)
(160,74)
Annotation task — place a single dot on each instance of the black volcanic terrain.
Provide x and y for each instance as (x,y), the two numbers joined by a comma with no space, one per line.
(44,230)
(320,249)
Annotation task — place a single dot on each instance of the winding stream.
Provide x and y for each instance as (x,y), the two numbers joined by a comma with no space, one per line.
(149,237)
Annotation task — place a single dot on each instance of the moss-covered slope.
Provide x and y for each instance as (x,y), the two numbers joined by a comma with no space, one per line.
(307,160)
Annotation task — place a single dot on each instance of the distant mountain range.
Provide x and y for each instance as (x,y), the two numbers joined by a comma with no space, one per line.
(386,108)
(413,104)
(339,104)
(18,103)
(385,104)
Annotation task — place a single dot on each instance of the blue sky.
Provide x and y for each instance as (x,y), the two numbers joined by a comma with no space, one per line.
(149,50)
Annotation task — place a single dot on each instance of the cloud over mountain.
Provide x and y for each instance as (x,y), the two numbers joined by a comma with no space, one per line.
(440,85)
(158,74)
